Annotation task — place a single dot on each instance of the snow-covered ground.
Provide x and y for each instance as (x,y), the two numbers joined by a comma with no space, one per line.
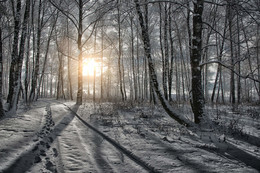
(62,137)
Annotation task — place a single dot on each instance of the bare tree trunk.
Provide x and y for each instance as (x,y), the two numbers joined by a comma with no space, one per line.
(46,56)
(172,54)
(183,80)
(232,75)
(123,77)
(166,52)
(195,58)
(27,66)
(239,65)
(47,86)
(60,86)
(55,85)
(162,52)
(17,62)
(37,59)
(14,62)
(2,112)
(249,60)
(145,84)
(69,64)
(257,55)
(219,55)
(27,62)
(133,58)
(221,87)
(108,89)
(183,69)
(205,59)
(120,54)
(94,77)
(147,48)
(177,79)
(102,63)
(189,38)
(41,92)
(51,82)
(138,65)
(79,42)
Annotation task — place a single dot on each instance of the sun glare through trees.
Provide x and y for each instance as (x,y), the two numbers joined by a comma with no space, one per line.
(90,67)
(173,85)
(157,52)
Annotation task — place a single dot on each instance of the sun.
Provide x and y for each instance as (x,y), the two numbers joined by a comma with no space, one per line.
(89,66)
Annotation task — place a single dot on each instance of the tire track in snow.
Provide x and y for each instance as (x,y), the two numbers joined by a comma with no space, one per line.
(128,153)
(94,146)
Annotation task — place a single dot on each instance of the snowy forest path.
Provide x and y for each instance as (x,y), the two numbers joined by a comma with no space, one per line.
(20,134)
(104,154)
(66,143)
(53,136)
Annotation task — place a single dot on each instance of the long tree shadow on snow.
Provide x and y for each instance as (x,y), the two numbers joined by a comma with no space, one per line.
(235,153)
(179,155)
(100,160)
(231,152)
(32,156)
(236,134)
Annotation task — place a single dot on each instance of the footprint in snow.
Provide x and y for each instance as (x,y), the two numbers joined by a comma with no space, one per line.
(35,148)
(50,166)
(55,151)
(42,153)
(37,159)
(42,143)
(48,145)
(51,139)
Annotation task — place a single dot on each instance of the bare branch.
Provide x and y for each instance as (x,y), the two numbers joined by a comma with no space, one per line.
(72,19)
(248,76)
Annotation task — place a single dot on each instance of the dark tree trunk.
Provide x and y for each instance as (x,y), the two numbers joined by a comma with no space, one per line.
(14,62)
(239,65)
(166,53)
(27,68)
(232,75)
(27,62)
(257,54)
(17,62)
(119,55)
(162,52)
(37,58)
(195,58)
